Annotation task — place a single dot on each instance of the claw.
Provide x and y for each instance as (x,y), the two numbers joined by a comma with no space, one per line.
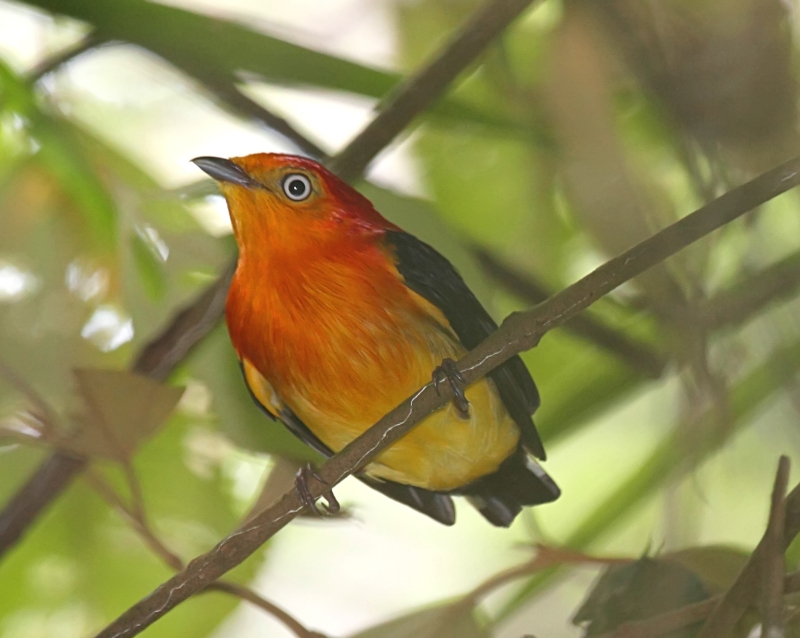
(301,485)
(449,372)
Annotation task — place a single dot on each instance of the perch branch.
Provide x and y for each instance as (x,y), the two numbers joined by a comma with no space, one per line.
(422,89)
(636,354)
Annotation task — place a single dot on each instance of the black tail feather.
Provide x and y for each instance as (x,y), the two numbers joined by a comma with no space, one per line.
(437,505)
(518,481)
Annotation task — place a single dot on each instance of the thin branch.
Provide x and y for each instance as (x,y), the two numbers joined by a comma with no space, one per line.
(520,331)
(162,355)
(136,517)
(230,95)
(250,596)
(773,563)
(742,593)
(545,558)
(51,64)
(639,356)
(747,298)
(47,417)
(421,90)
(50,480)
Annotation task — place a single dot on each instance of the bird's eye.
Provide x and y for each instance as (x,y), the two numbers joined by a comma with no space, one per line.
(297,187)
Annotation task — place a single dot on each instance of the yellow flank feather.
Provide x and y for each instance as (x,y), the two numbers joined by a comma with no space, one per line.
(262,389)
(444,452)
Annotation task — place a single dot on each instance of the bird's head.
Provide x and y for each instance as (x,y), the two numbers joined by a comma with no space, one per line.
(287,199)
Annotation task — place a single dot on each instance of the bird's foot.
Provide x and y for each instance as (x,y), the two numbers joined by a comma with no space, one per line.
(449,372)
(301,486)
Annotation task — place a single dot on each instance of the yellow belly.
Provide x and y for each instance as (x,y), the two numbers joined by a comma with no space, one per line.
(443,452)
(356,361)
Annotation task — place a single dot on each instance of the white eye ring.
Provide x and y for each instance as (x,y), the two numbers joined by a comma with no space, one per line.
(296,186)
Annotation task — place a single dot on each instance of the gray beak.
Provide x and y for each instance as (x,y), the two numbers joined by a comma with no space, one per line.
(223,170)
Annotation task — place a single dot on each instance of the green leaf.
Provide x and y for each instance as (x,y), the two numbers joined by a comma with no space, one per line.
(637,591)
(717,565)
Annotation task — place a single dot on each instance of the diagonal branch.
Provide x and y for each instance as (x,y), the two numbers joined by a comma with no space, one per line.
(742,593)
(245,593)
(520,331)
(91,41)
(421,90)
(137,518)
(772,565)
(231,96)
(639,356)
(745,299)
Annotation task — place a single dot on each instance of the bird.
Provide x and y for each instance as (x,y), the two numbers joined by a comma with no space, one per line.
(337,315)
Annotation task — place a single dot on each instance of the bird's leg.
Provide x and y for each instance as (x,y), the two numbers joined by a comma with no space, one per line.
(449,372)
(301,486)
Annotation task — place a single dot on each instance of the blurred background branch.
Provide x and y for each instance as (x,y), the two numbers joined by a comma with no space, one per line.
(579,131)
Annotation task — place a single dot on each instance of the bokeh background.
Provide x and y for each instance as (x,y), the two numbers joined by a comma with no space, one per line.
(583,130)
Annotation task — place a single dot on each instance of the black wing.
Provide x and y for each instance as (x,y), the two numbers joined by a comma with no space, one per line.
(435,504)
(431,276)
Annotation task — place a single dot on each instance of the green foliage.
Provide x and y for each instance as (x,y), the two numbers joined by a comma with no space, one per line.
(567,143)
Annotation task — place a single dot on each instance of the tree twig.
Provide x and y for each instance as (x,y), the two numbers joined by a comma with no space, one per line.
(49,65)
(162,355)
(50,480)
(773,562)
(743,300)
(230,95)
(136,516)
(545,558)
(636,354)
(250,596)
(422,89)
(42,409)
(732,605)
(520,331)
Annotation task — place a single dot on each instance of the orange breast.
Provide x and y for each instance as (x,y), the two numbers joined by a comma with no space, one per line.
(342,341)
